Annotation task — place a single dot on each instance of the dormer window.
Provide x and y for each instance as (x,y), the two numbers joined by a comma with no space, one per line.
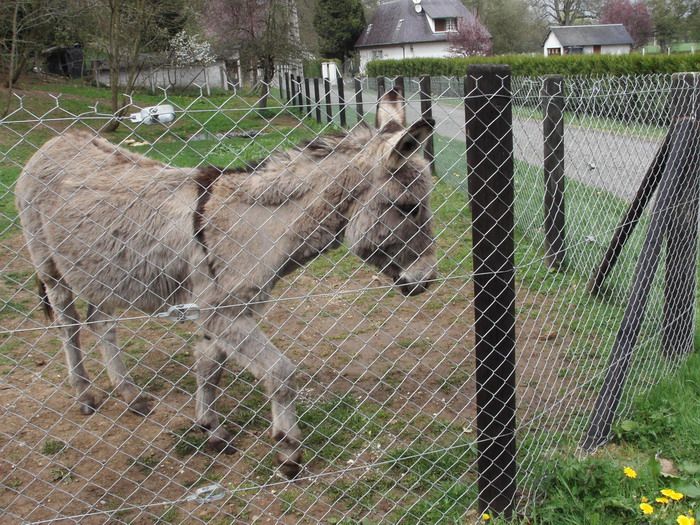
(369,28)
(444,25)
(398,26)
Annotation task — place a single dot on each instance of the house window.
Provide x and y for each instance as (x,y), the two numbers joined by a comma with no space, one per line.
(445,24)
(377,54)
(553,51)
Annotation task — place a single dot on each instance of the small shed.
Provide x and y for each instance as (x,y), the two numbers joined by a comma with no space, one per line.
(604,39)
(67,61)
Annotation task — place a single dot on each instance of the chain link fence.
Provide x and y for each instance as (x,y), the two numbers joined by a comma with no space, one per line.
(385,384)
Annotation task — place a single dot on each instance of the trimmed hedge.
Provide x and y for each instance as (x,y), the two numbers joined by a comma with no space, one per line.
(521,65)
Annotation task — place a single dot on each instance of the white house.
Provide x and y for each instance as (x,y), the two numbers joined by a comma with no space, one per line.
(607,39)
(411,29)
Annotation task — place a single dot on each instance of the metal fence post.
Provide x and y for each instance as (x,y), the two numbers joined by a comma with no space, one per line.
(341,100)
(553,129)
(327,100)
(488,113)
(317,100)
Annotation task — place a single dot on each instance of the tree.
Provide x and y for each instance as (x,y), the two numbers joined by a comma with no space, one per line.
(514,25)
(26,27)
(122,30)
(634,16)
(262,34)
(339,23)
(567,12)
(471,39)
(674,20)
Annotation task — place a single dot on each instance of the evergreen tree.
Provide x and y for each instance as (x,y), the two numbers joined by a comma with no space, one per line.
(339,24)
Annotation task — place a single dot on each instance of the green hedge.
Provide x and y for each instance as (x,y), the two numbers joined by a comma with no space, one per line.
(633,64)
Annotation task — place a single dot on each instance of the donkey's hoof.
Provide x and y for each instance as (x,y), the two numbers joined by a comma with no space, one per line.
(140,406)
(87,404)
(87,409)
(290,467)
(221,446)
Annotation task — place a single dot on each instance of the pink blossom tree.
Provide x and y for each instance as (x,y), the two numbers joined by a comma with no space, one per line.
(635,16)
(470,39)
(261,34)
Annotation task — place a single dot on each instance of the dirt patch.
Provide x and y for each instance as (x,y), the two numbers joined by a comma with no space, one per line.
(377,373)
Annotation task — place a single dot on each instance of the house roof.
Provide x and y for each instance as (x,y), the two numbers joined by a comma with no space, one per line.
(608,34)
(397,22)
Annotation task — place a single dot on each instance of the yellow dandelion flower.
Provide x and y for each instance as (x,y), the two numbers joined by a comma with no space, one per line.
(485,517)
(670,493)
(644,499)
(662,500)
(685,520)
(630,473)
(646,508)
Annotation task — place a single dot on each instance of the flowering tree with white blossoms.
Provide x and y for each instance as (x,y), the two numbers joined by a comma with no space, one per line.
(186,49)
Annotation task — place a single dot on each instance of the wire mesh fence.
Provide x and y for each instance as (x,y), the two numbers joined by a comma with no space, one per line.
(312,316)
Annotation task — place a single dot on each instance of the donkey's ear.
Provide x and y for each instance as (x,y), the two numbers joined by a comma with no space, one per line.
(411,141)
(391,107)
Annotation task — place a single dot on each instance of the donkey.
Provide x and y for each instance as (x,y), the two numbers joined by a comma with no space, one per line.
(124,231)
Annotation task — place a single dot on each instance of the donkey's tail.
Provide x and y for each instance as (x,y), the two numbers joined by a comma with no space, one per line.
(45,303)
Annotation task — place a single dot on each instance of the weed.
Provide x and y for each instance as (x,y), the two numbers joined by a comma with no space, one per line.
(52,447)
(187,442)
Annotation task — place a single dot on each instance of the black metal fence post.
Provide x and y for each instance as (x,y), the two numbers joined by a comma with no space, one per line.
(307,97)
(488,113)
(553,128)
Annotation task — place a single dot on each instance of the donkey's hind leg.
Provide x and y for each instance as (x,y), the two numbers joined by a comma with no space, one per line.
(104,326)
(63,302)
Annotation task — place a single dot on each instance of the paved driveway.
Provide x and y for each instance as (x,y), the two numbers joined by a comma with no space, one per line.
(615,162)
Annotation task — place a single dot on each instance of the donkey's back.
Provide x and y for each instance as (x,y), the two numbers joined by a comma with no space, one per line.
(109,225)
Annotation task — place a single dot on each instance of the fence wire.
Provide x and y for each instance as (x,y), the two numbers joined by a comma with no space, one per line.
(384,383)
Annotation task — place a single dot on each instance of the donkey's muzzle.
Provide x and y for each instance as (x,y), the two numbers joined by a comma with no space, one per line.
(416,279)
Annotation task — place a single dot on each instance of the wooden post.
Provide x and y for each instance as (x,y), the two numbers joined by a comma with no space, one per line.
(381,87)
(327,100)
(287,92)
(307,97)
(426,111)
(626,338)
(317,100)
(341,100)
(488,113)
(298,95)
(682,234)
(400,86)
(358,100)
(553,127)
(646,189)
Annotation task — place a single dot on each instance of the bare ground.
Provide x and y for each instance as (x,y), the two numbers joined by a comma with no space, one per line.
(407,364)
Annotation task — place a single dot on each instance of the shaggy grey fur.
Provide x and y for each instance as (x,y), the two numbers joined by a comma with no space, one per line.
(123,231)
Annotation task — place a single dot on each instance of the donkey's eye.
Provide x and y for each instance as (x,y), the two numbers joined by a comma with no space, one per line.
(409,209)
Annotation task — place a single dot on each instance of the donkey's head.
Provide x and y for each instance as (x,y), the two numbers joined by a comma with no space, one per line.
(391,224)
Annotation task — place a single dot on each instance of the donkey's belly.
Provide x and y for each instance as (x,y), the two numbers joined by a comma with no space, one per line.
(138,267)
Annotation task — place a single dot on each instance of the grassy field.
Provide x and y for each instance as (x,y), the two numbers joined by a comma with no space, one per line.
(425,472)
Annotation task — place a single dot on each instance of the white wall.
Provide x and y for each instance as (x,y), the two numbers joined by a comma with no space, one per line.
(552,41)
(421,50)
(212,76)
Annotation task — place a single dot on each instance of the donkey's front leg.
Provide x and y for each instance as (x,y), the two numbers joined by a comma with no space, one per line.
(243,341)
(209,368)
(266,362)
